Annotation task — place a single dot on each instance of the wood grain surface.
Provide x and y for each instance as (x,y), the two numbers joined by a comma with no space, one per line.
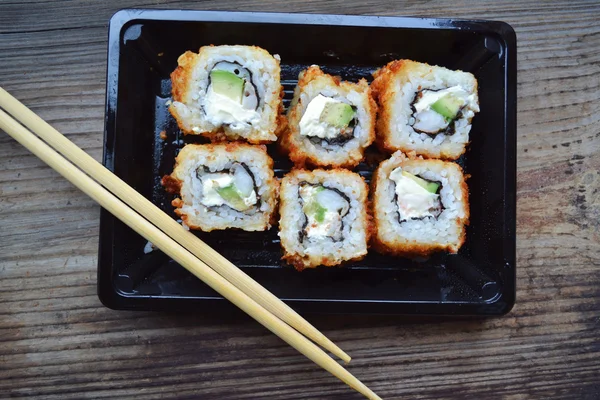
(58,342)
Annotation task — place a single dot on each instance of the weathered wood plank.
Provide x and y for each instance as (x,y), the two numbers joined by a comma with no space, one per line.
(58,342)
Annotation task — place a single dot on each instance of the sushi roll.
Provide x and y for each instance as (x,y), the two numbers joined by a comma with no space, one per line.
(419,206)
(323,217)
(224,186)
(425,109)
(228,93)
(330,122)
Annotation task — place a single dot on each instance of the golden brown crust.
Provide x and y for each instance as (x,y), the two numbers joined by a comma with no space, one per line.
(408,250)
(464,188)
(371,229)
(178,204)
(383,91)
(172,183)
(187,222)
(444,155)
(414,249)
(288,141)
(180,80)
(384,87)
(301,262)
(180,77)
(281,119)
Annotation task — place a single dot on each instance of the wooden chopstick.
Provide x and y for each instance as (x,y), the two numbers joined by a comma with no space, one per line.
(119,209)
(155,215)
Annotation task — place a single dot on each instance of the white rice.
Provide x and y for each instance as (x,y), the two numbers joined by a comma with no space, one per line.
(446,230)
(354,233)
(313,82)
(410,80)
(217,158)
(265,72)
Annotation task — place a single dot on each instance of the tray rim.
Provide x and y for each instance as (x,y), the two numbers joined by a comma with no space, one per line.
(112,298)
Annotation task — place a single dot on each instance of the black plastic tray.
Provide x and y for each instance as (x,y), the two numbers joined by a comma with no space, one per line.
(143,50)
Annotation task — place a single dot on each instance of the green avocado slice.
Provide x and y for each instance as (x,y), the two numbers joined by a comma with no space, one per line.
(316,210)
(431,187)
(231,195)
(337,114)
(227,84)
(447,106)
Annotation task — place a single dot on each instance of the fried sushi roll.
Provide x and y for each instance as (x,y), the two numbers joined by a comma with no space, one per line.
(419,206)
(425,109)
(323,217)
(228,92)
(330,122)
(224,186)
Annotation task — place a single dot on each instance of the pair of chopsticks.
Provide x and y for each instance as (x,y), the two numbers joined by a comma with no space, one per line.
(153,224)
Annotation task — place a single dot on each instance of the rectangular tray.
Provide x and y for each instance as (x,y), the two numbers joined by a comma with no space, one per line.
(143,48)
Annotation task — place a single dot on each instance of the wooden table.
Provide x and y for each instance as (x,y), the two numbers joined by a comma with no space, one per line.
(57,341)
